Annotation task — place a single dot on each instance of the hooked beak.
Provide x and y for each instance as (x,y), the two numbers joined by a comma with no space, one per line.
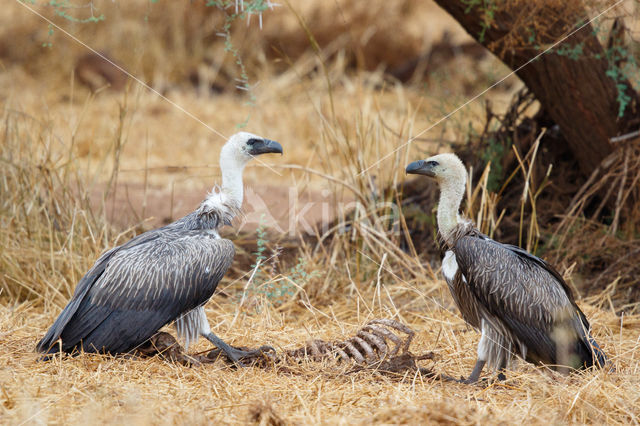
(421,167)
(265,146)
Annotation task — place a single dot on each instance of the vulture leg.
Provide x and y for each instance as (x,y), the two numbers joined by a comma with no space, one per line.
(475,374)
(483,352)
(501,370)
(235,355)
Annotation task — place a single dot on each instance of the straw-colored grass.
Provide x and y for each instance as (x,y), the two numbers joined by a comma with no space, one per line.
(117,390)
(64,154)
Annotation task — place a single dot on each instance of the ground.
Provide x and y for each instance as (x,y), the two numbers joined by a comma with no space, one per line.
(82,173)
(117,390)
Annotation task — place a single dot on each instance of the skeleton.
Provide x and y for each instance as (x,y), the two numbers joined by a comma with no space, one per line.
(370,344)
(378,343)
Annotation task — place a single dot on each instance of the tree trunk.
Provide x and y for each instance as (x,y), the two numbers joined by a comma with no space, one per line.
(570,81)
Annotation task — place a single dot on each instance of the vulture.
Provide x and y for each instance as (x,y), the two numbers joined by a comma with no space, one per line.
(161,276)
(520,303)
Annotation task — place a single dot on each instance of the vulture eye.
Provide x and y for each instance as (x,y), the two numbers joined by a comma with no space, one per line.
(432,163)
(252,141)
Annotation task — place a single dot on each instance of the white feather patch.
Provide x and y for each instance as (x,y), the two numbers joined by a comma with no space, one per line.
(484,344)
(216,200)
(192,325)
(212,232)
(449,265)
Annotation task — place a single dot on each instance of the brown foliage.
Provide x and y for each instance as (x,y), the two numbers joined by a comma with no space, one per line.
(571,89)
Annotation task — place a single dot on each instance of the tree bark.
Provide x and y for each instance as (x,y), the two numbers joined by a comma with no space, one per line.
(571,84)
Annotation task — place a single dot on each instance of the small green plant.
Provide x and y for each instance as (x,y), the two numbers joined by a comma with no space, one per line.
(64,8)
(299,274)
(279,291)
(493,153)
(622,65)
(261,245)
(489,8)
(242,10)
(574,52)
(620,74)
(49,35)
(276,290)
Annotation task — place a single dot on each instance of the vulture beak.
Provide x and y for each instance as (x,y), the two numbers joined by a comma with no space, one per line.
(422,167)
(265,146)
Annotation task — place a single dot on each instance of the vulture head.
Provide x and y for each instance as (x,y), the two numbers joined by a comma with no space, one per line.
(446,169)
(243,146)
(234,156)
(451,175)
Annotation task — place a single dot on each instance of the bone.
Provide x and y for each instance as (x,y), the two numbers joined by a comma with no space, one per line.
(355,353)
(398,326)
(376,341)
(317,348)
(393,324)
(372,343)
(368,350)
(343,355)
(385,334)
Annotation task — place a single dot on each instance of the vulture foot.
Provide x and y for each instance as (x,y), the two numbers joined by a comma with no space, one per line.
(475,374)
(235,355)
(482,382)
(167,347)
(474,379)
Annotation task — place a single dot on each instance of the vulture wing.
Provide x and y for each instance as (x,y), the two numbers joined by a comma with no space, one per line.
(529,296)
(135,289)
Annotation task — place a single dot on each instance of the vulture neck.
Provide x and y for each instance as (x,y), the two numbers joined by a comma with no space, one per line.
(451,194)
(232,187)
(226,201)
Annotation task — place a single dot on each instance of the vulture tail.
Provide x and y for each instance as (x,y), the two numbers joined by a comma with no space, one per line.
(598,358)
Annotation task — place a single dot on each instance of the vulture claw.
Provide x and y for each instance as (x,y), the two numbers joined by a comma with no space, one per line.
(238,355)
(235,355)
(265,349)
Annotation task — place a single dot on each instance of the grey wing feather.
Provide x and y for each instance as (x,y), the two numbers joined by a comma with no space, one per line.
(526,293)
(135,289)
(84,285)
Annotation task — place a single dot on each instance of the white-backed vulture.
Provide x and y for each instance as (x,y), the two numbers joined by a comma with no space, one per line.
(161,276)
(519,302)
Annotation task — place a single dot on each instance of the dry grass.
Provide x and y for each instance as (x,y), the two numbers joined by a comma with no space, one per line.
(65,153)
(123,390)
